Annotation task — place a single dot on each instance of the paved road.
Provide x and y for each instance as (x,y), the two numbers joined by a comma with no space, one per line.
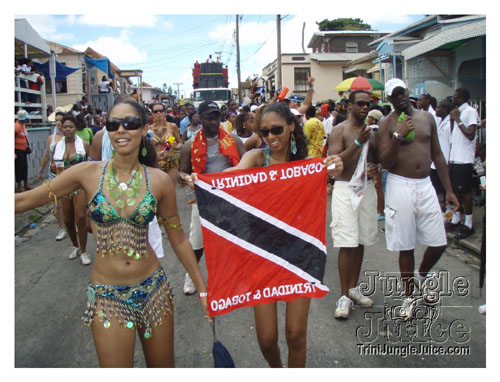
(50,298)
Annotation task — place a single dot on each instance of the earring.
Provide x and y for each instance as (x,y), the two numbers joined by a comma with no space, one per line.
(144,150)
(293,145)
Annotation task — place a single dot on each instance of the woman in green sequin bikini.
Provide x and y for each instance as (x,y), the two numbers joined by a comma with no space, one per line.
(129,289)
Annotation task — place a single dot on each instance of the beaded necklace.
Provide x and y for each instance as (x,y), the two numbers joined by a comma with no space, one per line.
(118,190)
(267,153)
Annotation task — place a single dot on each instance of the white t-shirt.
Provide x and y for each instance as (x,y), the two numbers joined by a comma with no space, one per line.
(433,112)
(444,136)
(103,86)
(463,150)
(328,125)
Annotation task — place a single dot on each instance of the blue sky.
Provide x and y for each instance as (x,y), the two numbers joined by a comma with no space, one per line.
(166,46)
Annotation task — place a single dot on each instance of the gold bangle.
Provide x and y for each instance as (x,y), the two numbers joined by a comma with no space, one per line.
(177,226)
(169,217)
(51,195)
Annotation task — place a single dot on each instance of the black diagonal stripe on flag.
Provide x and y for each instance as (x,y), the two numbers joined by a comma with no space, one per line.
(261,233)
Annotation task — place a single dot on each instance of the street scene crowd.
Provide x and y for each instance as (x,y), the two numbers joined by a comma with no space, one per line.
(419,164)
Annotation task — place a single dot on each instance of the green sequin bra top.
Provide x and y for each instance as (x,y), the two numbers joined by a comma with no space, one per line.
(117,233)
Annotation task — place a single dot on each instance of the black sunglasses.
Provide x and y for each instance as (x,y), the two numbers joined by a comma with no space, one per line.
(363,103)
(128,123)
(399,91)
(276,130)
(158,111)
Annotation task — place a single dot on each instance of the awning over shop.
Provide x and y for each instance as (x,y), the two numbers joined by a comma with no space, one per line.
(62,71)
(103,64)
(376,68)
(360,66)
(462,32)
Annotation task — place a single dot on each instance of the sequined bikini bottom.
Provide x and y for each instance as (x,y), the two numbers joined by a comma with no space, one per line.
(170,163)
(142,305)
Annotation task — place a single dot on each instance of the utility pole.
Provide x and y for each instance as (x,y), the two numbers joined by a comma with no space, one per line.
(178,92)
(278,60)
(238,59)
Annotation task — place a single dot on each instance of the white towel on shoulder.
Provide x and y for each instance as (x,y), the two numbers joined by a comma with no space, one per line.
(359,179)
(61,148)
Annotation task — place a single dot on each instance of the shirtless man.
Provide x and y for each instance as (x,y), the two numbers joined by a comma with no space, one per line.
(352,228)
(412,212)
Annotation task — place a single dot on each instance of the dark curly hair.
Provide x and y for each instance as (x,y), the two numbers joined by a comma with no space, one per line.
(284,112)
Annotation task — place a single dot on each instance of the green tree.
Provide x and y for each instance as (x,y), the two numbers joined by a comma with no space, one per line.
(343,24)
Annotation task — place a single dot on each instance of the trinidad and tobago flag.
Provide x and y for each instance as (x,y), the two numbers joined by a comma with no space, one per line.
(263,234)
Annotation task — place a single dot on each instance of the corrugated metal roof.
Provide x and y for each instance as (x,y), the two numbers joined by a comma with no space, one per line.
(462,32)
(64,49)
(320,35)
(323,57)
(25,34)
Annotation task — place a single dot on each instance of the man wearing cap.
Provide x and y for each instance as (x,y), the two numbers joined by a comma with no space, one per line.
(412,212)
(374,116)
(212,149)
(21,146)
(294,102)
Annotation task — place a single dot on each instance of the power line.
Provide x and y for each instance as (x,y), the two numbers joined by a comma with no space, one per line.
(180,33)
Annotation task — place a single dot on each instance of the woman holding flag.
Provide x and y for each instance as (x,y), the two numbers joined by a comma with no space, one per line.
(128,291)
(286,142)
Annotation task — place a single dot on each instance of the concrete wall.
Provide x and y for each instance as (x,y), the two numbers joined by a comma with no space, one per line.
(328,76)
(38,140)
(471,50)
(337,44)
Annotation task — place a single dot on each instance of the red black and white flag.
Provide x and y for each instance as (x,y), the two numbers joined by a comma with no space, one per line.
(263,234)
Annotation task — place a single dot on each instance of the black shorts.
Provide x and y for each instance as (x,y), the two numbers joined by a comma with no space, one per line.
(461,177)
(21,165)
(436,182)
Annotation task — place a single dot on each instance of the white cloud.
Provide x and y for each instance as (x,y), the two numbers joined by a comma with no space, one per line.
(118,50)
(47,27)
(127,20)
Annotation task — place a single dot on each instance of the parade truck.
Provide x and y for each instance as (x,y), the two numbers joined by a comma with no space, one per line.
(210,83)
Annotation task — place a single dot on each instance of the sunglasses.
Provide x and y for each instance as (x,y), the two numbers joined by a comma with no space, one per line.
(128,123)
(399,91)
(363,103)
(158,111)
(276,130)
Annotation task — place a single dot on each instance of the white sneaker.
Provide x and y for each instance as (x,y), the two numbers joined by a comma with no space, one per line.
(344,305)
(74,254)
(189,287)
(356,296)
(61,235)
(85,259)
(406,312)
(428,286)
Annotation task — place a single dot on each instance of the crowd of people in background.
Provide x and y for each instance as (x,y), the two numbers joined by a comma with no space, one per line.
(357,130)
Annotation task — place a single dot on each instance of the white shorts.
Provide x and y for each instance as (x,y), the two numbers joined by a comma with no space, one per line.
(195,236)
(352,228)
(412,214)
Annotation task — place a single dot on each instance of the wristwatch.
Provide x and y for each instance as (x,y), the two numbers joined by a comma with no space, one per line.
(398,136)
